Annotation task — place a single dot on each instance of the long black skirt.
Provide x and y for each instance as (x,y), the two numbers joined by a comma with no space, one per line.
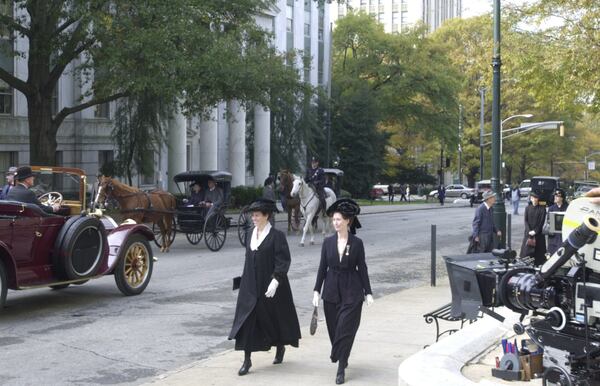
(342,324)
(260,332)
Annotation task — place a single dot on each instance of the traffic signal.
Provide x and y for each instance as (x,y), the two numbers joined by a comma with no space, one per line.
(561,130)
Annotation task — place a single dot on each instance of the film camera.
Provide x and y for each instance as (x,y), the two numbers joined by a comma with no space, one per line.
(562,296)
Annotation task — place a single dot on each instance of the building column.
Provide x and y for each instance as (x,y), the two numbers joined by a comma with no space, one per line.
(209,141)
(262,144)
(237,142)
(176,148)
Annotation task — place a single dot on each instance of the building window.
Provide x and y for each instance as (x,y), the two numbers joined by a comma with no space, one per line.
(58,158)
(105,159)
(7,61)
(188,157)
(290,26)
(102,110)
(8,159)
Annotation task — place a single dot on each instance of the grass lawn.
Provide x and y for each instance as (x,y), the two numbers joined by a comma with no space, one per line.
(362,201)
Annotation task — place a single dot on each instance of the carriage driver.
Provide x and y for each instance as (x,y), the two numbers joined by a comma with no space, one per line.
(315,177)
(21,192)
(213,196)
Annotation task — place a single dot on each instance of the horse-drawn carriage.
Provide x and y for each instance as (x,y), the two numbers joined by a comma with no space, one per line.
(198,221)
(334,179)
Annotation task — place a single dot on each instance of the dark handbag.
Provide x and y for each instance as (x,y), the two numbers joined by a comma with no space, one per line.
(531,242)
(236,282)
(313,321)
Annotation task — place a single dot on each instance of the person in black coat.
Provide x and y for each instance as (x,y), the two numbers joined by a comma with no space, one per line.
(21,192)
(560,205)
(534,241)
(265,315)
(344,279)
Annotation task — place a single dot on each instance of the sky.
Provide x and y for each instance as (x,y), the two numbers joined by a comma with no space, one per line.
(478,7)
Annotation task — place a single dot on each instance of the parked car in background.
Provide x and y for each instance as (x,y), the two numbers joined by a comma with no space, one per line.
(525,188)
(383,187)
(582,190)
(485,185)
(376,193)
(455,190)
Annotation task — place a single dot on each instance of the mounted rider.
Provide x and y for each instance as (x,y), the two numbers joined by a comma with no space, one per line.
(315,177)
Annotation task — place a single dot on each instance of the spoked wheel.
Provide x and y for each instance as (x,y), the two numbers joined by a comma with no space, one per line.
(215,231)
(158,238)
(555,376)
(194,238)
(244,225)
(134,269)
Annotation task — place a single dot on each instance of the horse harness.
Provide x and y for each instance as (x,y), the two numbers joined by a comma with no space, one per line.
(110,185)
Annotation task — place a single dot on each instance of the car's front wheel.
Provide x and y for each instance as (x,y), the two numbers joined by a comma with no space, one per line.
(134,269)
(464,195)
(3,286)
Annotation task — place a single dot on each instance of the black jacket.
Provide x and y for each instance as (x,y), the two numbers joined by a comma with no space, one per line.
(21,194)
(345,281)
(316,177)
(270,260)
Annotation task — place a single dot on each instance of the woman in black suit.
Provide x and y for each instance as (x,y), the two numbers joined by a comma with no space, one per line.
(265,315)
(344,277)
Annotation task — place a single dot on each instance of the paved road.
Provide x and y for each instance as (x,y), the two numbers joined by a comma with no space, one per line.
(91,334)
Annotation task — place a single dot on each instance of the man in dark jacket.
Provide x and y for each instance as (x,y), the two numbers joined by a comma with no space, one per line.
(213,197)
(483,223)
(10,183)
(21,192)
(315,176)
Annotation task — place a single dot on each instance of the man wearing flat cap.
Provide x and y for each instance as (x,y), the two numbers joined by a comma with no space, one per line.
(21,192)
(10,182)
(315,176)
(483,224)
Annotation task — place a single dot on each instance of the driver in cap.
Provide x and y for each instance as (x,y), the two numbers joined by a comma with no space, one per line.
(21,192)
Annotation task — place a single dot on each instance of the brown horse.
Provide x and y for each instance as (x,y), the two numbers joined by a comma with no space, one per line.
(157,206)
(286,181)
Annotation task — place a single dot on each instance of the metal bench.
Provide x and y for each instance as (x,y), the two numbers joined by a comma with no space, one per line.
(445,313)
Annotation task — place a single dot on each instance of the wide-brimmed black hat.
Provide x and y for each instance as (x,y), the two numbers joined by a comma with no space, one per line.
(195,183)
(534,194)
(23,172)
(262,205)
(560,192)
(348,208)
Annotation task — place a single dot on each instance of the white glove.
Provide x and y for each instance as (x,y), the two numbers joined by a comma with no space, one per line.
(531,233)
(272,288)
(369,300)
(316,299)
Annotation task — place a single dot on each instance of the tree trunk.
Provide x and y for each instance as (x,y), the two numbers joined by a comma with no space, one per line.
(509,171)
(42,132)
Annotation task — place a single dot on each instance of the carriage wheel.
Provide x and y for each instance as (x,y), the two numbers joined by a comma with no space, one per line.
(244,225)
(193,237)
(215,231)
(158,239)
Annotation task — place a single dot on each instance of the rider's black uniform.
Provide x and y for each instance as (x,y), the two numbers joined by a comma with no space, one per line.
(316,177)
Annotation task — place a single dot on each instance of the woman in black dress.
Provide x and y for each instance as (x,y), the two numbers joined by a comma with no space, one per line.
(265,315)
(560,205)
(534,241)
(344,278)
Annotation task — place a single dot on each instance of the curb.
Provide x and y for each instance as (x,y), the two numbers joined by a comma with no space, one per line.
(441,363)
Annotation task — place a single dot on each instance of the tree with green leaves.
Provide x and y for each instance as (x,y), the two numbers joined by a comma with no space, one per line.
(197,51)
(386,85)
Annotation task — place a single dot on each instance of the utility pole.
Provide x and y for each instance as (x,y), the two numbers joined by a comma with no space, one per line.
(499,209)
(481,130)
(460,111)
(328,121)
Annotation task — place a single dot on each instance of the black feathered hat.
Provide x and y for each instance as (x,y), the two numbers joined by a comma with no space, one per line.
(348,208)
(262,205)
(314,159)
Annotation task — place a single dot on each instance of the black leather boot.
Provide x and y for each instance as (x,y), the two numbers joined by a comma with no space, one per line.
(340,377)
(246,365)
(279,355)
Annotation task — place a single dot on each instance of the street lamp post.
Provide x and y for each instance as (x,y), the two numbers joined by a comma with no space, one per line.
(499,209)
(506,120)
(481,130)
(460,112)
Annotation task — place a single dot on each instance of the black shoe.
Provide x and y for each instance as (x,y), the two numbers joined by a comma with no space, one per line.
(245,367)
(339,378)
(279,355)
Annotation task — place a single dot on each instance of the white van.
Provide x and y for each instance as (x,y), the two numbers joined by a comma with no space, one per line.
(525,188)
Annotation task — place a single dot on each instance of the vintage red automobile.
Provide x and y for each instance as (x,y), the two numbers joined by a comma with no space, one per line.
(38,249)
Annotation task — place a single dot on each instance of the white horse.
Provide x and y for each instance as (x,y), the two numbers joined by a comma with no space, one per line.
(309,204)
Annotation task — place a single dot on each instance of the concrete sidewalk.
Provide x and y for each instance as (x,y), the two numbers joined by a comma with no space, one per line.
(391,330)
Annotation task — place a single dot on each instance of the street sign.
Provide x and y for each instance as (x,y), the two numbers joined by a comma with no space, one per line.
(592,165)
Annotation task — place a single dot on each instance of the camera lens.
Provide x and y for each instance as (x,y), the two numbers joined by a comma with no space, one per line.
(519,292)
